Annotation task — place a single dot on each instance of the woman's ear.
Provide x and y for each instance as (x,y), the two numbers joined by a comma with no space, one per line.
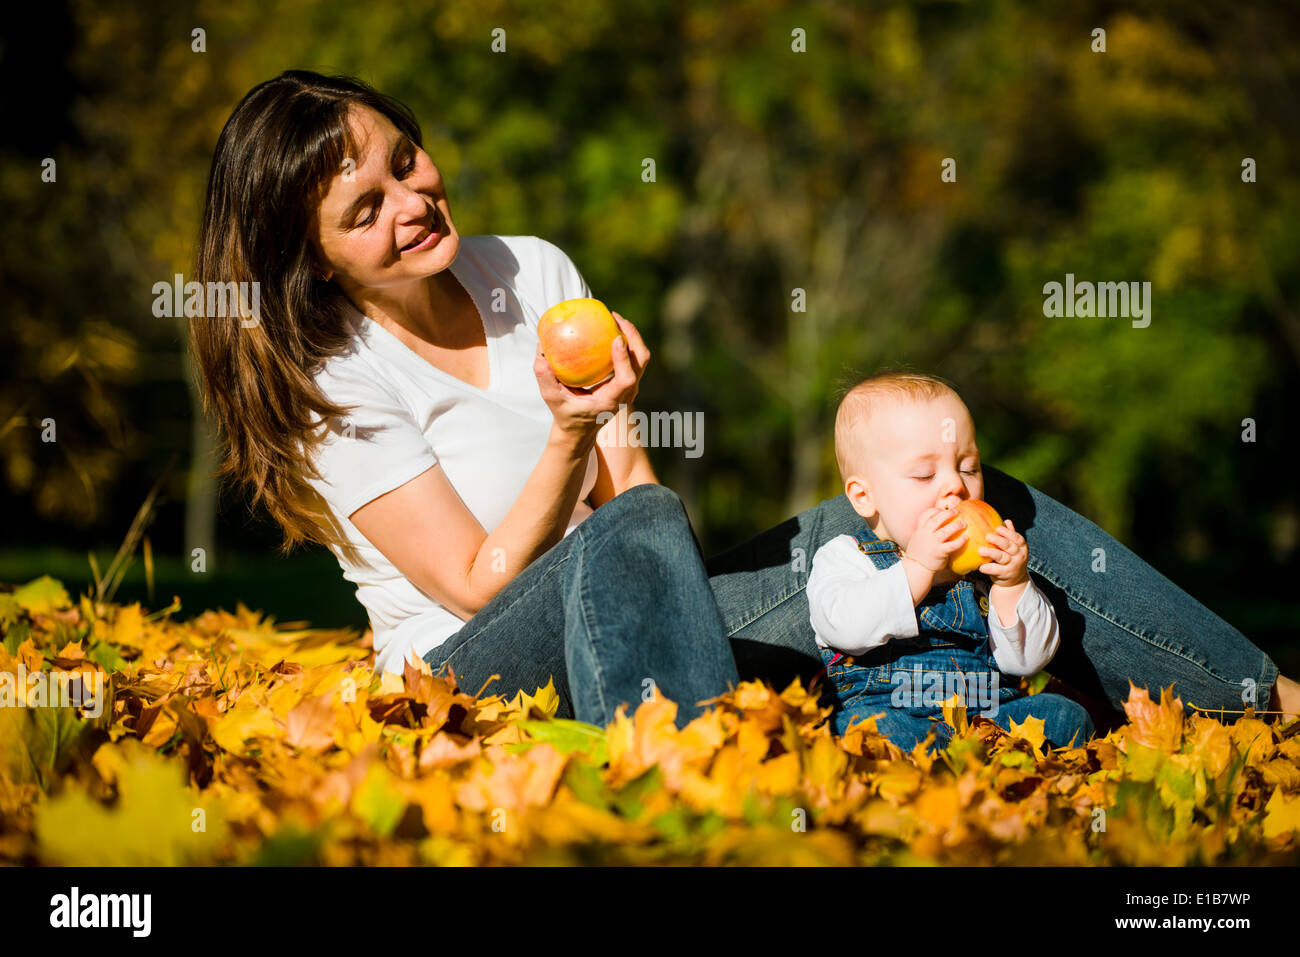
(859,496)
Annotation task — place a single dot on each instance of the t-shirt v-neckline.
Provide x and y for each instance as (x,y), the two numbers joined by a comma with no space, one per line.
(412,356)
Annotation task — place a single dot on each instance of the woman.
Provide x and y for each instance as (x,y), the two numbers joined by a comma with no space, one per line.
(491,523)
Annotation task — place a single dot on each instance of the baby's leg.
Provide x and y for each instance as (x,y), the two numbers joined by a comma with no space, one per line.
(1064,721)
(903,727)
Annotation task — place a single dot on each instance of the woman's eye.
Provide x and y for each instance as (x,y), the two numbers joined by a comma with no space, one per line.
(923,478)
(404,172)
(968,472)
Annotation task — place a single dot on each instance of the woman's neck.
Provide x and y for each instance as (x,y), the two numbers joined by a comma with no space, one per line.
(433,309)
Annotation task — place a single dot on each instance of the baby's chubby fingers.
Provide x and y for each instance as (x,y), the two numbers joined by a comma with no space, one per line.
(994,540)
(954,544)
(945,520)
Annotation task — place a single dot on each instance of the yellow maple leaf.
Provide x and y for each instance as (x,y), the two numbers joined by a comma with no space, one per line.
(619,737)
(546,701)
(722,790)
(157,820)
(1158,726)
(356,729)
(899,782)
(239,724)
(390,682)
(824,767)
(938,807)
(284,697)
(1253,738)
(42,596)
(1210,744)
(1031,730)
(954,712)
(1281,774)
(651,738)
(751,696)
(778,776)
(310,725)
(128,627)
(378,800)
(162,729)
(1281,815)
(31,657)
(572,822)
(309,647)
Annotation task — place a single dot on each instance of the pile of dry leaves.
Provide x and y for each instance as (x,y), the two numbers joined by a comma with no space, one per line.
(230,739)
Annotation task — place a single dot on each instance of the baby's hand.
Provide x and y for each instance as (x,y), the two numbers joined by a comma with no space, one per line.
(927,546)
(1007,554)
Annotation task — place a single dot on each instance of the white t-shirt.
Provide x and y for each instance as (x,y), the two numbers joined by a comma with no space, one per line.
(855,607)
(412,416)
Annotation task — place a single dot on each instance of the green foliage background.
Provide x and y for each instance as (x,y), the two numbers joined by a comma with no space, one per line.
(775,170)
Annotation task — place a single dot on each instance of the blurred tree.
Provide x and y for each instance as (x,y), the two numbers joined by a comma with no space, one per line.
(797,230)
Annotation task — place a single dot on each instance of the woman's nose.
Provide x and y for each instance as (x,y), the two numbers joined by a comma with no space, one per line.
(414,203)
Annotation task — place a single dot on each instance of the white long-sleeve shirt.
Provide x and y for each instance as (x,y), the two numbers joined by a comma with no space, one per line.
(856,607)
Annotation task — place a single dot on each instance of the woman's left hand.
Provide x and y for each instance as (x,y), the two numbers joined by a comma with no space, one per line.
(638,355)
(582,410)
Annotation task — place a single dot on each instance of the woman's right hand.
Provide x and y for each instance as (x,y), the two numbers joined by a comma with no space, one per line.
(576,411)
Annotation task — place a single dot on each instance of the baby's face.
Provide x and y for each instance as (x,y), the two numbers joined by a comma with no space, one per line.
(918,454)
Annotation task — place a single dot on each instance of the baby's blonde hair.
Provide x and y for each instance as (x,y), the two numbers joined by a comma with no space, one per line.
(862,400)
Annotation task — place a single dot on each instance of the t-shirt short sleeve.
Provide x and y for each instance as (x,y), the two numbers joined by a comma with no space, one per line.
(561,279)
(377,448)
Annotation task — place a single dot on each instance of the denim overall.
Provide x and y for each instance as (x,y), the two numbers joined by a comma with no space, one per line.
(952,621)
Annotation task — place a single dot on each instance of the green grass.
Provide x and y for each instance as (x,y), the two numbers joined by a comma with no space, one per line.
(307,587)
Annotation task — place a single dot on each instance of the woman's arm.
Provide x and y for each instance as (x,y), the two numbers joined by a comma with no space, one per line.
(621,464)
(431,537)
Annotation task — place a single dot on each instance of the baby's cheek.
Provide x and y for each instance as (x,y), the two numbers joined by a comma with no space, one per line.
(907,533)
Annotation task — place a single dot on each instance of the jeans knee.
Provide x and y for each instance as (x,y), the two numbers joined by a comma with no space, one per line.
(640,503)
(637,514)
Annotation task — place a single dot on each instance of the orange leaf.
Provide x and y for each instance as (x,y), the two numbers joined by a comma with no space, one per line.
(1151,725)
(310,724)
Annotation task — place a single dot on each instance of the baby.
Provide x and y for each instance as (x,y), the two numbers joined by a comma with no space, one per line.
(899,632)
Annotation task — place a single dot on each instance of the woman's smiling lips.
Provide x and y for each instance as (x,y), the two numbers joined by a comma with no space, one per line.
(429,239)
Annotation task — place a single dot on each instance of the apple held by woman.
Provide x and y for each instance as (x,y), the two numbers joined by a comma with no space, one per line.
(980,518)
(576,337)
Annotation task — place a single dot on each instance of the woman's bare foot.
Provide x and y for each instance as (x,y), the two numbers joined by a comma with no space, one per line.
(1286,698)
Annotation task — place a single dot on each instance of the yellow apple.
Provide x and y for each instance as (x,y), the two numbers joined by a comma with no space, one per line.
(980,518)
(576,336)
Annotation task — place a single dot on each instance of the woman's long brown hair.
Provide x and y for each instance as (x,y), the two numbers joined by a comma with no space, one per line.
(276,156)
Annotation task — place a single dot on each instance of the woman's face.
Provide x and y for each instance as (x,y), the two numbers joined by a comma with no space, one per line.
(374,225)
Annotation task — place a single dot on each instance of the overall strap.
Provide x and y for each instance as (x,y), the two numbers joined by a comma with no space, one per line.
(882,552)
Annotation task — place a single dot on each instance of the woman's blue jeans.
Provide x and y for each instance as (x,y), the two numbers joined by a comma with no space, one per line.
(626,605)
(617,611)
